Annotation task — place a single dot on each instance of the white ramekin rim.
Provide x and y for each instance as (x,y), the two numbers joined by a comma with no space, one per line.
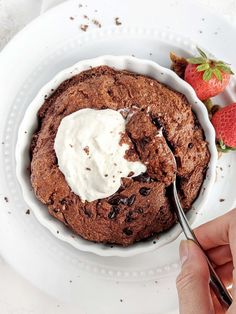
(29,125)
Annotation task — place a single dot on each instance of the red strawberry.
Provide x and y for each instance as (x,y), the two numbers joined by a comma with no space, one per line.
(224,122)
(207,77)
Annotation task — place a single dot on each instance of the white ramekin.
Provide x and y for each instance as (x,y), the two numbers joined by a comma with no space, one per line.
(29,125)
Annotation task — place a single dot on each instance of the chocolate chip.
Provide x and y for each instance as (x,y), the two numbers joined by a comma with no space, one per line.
(115,200)
(127,231)
(144,177)
(131,200)
(63,201)
(87,212)
(190,145)
(144,191)
(129,217)
(114,212)
(139,210)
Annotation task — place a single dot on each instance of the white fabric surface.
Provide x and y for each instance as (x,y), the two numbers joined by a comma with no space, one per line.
(15,14)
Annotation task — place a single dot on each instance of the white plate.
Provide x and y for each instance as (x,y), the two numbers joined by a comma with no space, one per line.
(29,125)
(48,45)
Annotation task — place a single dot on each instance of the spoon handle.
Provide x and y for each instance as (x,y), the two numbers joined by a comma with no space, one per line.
(218,287)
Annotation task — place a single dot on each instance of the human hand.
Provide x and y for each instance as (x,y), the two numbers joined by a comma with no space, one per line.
(218,239)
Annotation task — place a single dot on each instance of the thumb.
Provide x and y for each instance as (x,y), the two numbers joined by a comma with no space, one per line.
(193,281)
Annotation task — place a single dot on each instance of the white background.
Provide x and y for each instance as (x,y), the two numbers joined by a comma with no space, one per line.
(14,14)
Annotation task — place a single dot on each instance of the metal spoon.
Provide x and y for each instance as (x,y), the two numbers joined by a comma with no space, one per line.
(217,285)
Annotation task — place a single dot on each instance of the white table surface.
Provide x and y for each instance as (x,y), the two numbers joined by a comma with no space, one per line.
(17,295)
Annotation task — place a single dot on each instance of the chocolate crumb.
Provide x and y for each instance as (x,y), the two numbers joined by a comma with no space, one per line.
(115,164)
(97,23)
(131,174)
(52,90)
(84,27)
(121,300)
(89,169)
(72,18)
(150,53)
(2,143)
(27,212)
(58,231)
(86,149)
(154,242)
(95,11)
(71,145)
(221,200)
(106,175)
(9,213)
(80,5)
(85,17)
(6,199)
(25,132)
(117,21)
(221,168)
(70,281)
(200,31)
(229,166)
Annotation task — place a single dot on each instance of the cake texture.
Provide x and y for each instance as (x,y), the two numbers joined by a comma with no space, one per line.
(156,118)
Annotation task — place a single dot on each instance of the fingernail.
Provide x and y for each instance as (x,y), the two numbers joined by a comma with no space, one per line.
(183,251)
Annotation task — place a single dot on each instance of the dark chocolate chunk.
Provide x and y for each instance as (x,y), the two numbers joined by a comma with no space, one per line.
(127,231)
(131,200)
(144,191)
(115,200)
(114,212)
(129,217)
(144,177)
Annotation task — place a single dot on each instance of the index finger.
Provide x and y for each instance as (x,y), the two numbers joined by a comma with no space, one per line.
(220,231)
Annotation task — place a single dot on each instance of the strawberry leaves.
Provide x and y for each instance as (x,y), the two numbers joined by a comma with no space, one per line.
(224,148)
(202,53)
(207,75)
(209,67)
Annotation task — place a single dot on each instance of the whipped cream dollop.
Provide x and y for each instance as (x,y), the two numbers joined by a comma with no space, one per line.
(90,155)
